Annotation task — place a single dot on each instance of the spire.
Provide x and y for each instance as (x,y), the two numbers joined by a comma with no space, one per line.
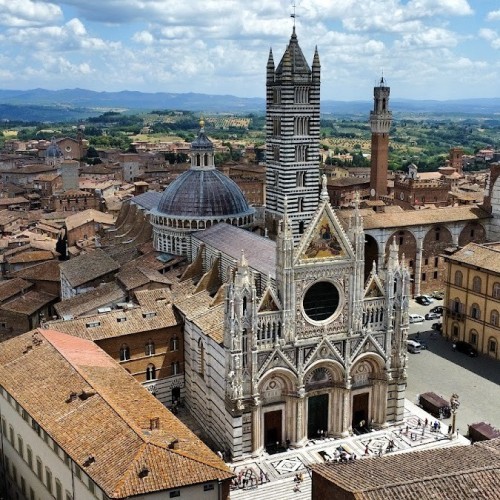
(270,67)
(393,255)
(243,259)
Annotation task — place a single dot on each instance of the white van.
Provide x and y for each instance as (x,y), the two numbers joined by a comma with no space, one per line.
(416,318)
(413,346)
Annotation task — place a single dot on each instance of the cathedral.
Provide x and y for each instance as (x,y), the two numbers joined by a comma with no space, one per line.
(285,338)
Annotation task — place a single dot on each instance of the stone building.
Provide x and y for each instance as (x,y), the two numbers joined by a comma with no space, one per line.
(68,432)
(472,297)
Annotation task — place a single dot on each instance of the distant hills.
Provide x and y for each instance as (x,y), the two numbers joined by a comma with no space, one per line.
(74,104)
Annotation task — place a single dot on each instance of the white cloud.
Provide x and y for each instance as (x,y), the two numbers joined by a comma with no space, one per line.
(28,13)
(494,15)
(491,36)
(431,38)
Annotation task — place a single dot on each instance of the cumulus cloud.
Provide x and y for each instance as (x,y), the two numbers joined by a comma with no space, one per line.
(494,15)
(491,36)
(28,13)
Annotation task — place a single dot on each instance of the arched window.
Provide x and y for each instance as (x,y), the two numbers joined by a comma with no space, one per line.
(244,305)
(496,290)
(301,227)
(476,284)
(175,368)
(475,312)
(124,352)
(473,337)
(459,277)
(456,306)
(151,372)
(494,317)
(149,348)
(174,344)
(455,330)
(492,346)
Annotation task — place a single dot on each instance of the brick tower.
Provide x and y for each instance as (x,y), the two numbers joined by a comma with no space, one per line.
(380,123)
(292,138)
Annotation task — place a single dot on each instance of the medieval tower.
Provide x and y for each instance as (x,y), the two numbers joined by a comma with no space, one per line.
(292,138)
(380,122)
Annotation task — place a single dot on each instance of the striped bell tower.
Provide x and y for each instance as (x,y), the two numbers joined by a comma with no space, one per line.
(292,138)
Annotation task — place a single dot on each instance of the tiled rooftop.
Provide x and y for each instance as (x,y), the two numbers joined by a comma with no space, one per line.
(114,429)
(12,287)
(29,303)
(484,256)
(88,267)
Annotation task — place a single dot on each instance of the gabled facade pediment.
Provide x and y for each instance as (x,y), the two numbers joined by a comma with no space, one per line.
(324,240)
(269,301)
(374,288)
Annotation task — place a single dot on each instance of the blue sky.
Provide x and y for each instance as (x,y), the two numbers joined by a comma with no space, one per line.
(426,49)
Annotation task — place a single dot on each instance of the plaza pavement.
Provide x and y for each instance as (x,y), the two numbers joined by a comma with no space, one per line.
(278,470)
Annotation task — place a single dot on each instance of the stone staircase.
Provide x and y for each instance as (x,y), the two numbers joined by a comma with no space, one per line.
(281,489)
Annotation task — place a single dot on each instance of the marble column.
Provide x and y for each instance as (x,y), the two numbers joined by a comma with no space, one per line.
(418,266)
(257,439)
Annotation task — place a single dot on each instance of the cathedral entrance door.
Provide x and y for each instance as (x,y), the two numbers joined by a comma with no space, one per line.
(273,429)
(360,411)
(317,415)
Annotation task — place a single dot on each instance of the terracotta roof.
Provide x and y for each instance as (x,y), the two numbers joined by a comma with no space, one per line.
(88,267)
(118,323)
(132,277)
(13,201)
(33,256)
(89,215)
(419,217)
(29,303)
(84,303)
(46,271)
(486,257)
(347,181)
(115,430)
(12,287)
(453,473)
(149,299)
(211,322)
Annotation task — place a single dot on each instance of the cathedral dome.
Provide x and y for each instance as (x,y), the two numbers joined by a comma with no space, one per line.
(53,151)
(203,193)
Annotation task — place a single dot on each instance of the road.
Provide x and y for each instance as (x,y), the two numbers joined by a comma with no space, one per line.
(444,371)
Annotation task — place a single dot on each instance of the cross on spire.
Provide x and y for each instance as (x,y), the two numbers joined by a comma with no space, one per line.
(294,15)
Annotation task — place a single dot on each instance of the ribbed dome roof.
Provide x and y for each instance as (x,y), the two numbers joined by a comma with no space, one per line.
(53,151)
(203,193)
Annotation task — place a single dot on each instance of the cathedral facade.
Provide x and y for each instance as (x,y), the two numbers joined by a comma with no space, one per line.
(296,342)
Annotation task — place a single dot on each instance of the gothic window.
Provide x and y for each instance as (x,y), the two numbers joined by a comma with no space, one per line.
(496,290)
(300,152)
(244,305)
(149,348)
(276,96)
(124,352)
(276,153)
(494,317)
(301,125)
(301,227)
(300,202)
(320,377)
(198,160)
(151,372)
(301,95)
(476,284)
(276,126)
(459,277)
(300,176)
(475,312)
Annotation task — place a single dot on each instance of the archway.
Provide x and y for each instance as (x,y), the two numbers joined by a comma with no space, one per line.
(473,231)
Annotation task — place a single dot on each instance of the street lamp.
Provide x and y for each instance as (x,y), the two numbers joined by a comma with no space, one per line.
(454,404)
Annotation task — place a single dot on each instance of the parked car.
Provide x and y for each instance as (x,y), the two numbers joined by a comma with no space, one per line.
(437,326)
(436,294)
(466,348)
(413,346)
(437,309)
(435,405)
(423,300)
(431,315)
(416,318)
